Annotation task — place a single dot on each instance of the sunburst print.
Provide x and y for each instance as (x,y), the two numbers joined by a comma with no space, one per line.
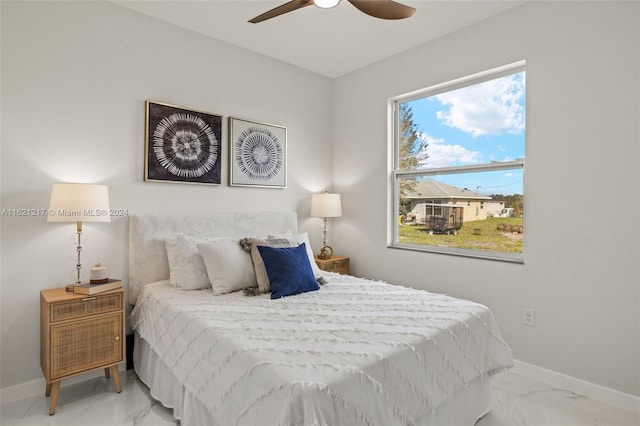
(182,145)
(185,145)
(258,154)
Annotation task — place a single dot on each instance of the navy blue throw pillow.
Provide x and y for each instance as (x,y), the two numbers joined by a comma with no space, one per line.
(288,269)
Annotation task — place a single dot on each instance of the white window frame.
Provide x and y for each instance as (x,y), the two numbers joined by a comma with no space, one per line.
(395,174)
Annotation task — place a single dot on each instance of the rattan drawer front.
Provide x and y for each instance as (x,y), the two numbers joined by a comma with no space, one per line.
(87,344)
(339,264)
(341,267)
(86,306)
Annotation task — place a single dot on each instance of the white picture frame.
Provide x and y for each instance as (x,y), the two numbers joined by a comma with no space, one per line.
(257,154)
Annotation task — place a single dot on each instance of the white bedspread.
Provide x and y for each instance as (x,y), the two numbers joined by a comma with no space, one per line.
(354,352)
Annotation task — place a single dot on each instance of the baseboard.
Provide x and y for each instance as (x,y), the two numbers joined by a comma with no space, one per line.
(600,393)
(37,387)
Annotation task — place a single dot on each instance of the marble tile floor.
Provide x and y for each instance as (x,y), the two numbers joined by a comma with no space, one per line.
(517,400)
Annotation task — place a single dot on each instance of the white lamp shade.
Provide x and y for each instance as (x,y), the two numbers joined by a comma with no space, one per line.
(326,205)
(79,202)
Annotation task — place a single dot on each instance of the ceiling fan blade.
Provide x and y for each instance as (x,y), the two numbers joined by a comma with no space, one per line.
(384,9)
(282,9)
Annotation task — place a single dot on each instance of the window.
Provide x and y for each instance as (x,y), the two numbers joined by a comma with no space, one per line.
(433,208)
(458,166)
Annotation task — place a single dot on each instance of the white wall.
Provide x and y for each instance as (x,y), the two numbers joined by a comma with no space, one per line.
(75,76)
(581,271)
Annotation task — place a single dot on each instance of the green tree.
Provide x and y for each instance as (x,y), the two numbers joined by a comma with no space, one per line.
(412,151)
(517,202)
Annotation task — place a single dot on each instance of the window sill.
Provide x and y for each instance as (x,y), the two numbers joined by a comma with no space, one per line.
(517,258)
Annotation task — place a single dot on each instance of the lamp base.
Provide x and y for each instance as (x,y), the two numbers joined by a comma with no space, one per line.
(325,253)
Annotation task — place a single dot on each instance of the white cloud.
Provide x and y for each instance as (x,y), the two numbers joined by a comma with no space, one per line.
(444,155)
(490,108)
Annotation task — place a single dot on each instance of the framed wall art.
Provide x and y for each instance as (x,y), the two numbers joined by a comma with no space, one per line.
(258,154)
(182,145)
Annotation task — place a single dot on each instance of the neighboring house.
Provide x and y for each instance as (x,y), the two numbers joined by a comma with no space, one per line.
(429,194)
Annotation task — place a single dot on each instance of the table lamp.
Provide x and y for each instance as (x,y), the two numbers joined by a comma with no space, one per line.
(78,202)
(326,205)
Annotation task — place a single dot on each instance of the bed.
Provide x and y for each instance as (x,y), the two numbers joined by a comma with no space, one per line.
(353,352)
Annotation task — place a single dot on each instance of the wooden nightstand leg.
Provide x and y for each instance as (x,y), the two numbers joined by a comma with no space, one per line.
(107,372)
(54,398)
(47,392)
(116,377)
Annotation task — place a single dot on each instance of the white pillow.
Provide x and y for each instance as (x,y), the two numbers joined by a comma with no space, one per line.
(299,239)
(264,285)
(229,267)
(186,267)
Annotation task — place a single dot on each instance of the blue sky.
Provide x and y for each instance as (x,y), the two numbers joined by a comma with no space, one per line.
(474,125)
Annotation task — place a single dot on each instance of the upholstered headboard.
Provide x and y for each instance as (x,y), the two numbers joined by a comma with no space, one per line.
(147,254)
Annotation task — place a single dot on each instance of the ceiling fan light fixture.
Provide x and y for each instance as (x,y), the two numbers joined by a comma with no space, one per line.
(383,9)
(326,4)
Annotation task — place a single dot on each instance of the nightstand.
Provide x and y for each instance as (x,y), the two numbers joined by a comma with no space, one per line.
(339,264)
(79,334)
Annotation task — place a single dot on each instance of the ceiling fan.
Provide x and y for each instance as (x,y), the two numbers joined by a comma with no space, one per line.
(383,9)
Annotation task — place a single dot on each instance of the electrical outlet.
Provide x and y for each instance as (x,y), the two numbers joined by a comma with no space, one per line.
(529,317)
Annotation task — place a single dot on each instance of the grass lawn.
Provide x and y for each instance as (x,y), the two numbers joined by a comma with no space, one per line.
(489,238)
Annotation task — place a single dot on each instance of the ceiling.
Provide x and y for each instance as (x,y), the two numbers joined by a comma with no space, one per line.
(331,42)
